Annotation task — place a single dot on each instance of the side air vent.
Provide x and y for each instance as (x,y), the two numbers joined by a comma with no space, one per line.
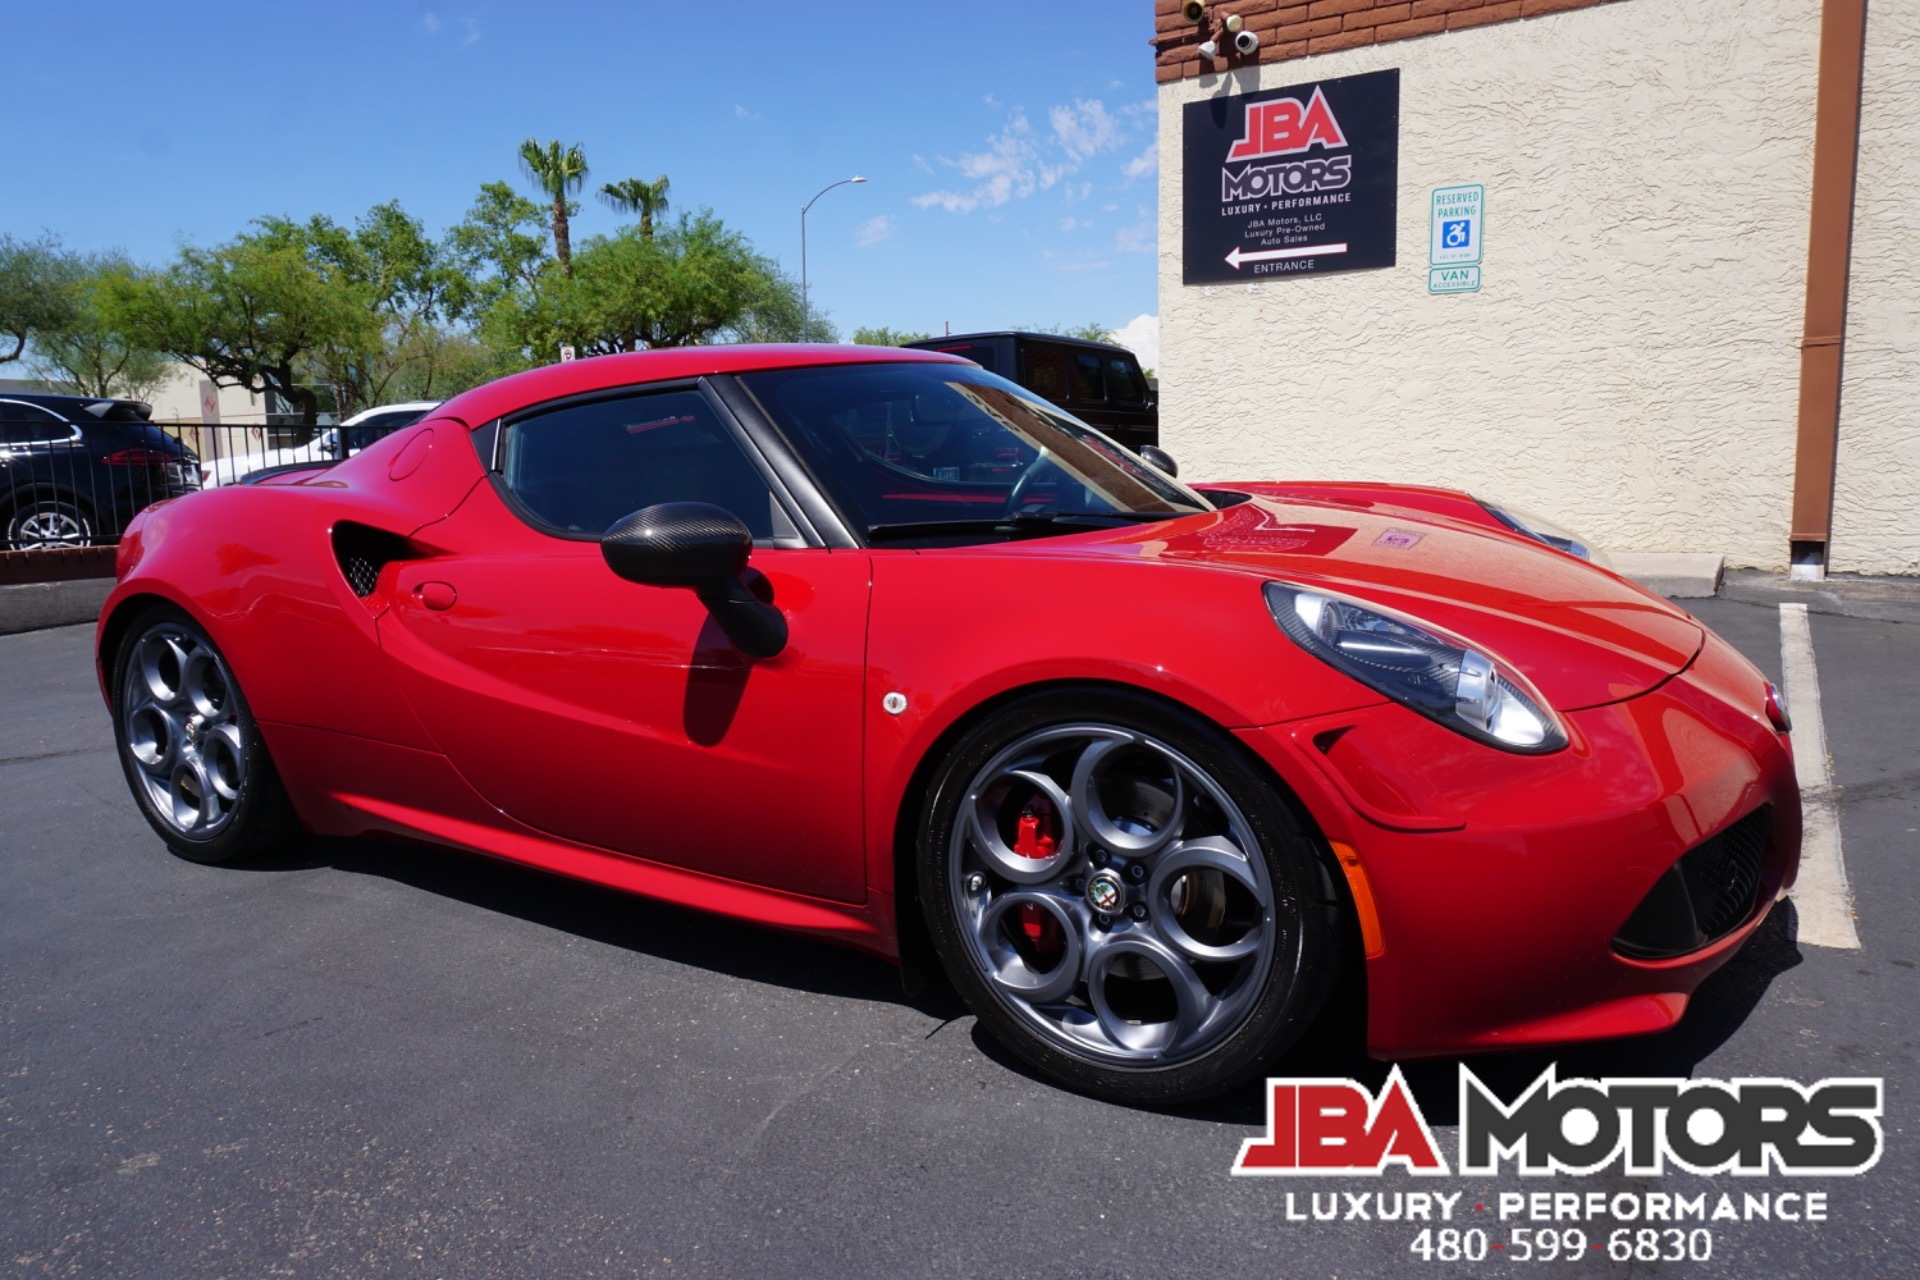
(1711,891)
(363,551)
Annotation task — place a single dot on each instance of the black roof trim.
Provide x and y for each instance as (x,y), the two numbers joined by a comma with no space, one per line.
(936,344)
(93,406)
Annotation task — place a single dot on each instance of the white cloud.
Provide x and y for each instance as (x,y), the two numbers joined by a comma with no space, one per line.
(1073,224)
(431,21)
(1140,166)
(473,31)
(1011,168)
(874,230)
(920,163)
(1019,161)
(1084,129)
(741,113)
(1141,237)
(1140,335)
(990,100)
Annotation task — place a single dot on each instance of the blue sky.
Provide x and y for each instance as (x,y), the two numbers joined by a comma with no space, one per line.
(1008,145)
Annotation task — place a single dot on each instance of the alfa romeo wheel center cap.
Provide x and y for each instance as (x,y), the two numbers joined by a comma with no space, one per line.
(1105,893)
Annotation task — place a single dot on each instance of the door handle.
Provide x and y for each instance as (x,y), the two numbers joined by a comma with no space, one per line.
(438,596)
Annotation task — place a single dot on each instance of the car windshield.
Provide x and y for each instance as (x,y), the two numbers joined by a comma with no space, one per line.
(944,453)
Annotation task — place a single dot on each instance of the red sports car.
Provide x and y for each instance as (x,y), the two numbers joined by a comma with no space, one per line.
(876,646)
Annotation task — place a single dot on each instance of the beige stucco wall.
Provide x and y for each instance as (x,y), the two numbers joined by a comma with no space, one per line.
(177,399)
(1876,506)
(1630,365)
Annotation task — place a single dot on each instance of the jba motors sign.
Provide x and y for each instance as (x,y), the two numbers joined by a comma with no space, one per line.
(1292,181)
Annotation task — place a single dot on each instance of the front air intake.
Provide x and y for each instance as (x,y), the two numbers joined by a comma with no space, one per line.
(1711,891)
(363,551)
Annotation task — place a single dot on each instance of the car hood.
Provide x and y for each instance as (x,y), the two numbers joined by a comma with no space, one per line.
(1583,635)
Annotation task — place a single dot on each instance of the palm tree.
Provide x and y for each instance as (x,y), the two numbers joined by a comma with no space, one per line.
(635,196)
(558,172)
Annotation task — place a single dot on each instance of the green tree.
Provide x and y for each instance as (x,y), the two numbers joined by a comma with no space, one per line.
(695,281)
(88,354)
(777,315)
(250,313)
(37,290)
(497,248)
(409,285)
(1091,332)
(888,337)
(559,172)
(438,362)
(631,195)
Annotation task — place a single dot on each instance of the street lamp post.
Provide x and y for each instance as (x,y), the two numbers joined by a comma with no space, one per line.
(806,310)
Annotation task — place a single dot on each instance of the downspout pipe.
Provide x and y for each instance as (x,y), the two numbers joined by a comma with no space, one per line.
(1836,146)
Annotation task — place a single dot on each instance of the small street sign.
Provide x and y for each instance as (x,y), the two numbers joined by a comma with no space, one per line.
(1453,279)
(1457,224)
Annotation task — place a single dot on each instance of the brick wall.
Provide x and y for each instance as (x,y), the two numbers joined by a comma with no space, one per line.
(1296,28)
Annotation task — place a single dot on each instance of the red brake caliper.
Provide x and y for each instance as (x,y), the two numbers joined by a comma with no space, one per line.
(1038,841)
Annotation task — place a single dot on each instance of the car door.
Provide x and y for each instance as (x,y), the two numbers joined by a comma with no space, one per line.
(49,479)
(616,714)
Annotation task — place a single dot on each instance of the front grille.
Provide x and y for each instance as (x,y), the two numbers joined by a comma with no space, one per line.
(1723,875)
(1707,894)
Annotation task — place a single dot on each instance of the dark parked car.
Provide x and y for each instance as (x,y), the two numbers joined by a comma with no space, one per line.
(1098,383)
(75,469)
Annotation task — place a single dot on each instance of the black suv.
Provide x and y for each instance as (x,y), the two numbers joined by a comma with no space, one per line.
(1100,384)
(75,469)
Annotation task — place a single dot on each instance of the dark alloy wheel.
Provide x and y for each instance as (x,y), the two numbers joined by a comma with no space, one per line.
(1123,896)
(191,751)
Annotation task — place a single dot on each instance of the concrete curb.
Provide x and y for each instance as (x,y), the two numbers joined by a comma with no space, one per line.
(29,606)
(1679,575)
(1883,599)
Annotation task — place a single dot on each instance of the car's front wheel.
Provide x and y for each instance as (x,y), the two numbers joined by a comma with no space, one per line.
(1122,896)
(190,747)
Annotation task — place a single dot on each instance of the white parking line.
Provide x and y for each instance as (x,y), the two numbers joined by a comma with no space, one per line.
(1821,896)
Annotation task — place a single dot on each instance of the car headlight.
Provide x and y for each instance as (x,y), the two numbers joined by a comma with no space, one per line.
(1544,531)
(1420,667)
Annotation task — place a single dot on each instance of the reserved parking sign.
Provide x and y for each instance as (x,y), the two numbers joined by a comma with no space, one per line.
(1457,224)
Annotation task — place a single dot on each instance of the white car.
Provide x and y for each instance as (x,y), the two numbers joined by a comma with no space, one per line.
(361,430)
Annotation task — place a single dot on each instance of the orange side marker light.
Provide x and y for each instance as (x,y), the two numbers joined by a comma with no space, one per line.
(1363,903)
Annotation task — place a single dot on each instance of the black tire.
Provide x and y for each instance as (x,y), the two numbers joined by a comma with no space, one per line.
(1163,1044)
(205,737)
(42,522)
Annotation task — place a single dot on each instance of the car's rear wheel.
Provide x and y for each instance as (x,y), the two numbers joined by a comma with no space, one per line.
(190,747)
(1123,897)
(39,523)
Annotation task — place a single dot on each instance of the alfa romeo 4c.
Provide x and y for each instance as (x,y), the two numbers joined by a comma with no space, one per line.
(879,647)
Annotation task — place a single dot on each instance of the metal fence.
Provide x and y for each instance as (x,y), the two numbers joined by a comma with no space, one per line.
(70,479)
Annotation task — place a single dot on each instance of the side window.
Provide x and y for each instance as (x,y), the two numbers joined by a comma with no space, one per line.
(1086,377)
(30,424)
(583,467)
(1049,372)
(1123,383)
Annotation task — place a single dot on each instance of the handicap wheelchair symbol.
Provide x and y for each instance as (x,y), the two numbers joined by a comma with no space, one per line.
(1457,235)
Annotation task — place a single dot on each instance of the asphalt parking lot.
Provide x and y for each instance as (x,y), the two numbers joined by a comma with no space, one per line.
(374,1061)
